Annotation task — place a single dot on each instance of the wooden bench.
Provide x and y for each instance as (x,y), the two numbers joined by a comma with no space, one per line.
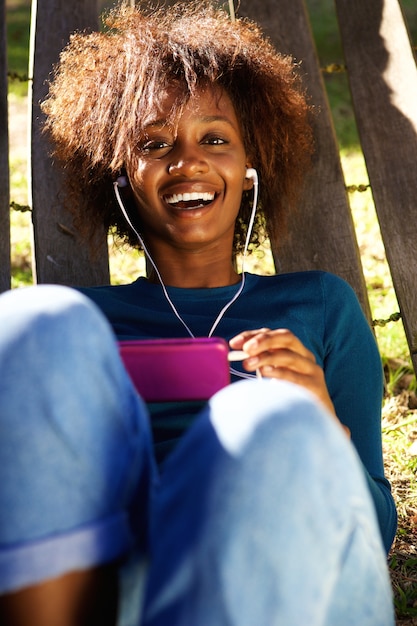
(383,80)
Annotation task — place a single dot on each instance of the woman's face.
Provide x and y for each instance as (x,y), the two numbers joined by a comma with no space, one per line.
(188,180)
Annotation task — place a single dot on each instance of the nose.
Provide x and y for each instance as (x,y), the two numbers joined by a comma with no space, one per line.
(188,164)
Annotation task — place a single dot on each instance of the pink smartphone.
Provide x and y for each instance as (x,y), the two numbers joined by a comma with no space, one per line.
(176,369)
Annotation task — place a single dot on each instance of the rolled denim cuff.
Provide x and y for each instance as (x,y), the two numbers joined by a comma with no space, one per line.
(31,563)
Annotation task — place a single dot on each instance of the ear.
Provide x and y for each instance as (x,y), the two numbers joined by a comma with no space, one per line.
(122,178)
(123,184)
(248,182)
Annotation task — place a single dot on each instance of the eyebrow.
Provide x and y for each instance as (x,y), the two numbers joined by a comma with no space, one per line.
(216,118)
(206,119)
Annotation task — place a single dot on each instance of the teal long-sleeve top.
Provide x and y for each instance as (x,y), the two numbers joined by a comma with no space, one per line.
(319,308)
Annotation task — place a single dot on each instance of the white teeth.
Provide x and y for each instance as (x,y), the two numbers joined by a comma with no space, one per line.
(187,197)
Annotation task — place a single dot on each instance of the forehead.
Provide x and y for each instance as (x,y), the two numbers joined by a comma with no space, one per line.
(205,105)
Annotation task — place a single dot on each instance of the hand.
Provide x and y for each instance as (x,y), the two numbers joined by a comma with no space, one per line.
(279,354)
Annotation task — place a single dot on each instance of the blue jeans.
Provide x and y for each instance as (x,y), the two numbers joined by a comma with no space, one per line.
(261,515)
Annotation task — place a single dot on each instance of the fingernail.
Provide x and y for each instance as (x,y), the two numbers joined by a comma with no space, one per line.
(252,343)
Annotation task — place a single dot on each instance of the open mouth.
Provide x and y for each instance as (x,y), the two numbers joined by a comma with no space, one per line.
(190,201)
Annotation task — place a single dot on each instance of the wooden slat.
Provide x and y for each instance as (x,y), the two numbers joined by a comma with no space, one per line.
(383,80)
(4,160)
(60,258)
(321,234)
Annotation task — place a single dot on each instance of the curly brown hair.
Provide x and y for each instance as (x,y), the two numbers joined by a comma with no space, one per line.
(107,82)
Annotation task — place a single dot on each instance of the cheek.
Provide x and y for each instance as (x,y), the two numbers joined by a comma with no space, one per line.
(145,209)
(139,170)
(238,188)
(142,185)
(238,174)
(135,174)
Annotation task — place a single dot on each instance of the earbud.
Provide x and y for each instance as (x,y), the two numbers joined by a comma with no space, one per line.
(253,174)
(122,181)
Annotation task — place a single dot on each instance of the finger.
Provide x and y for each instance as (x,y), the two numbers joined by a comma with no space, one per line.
(291,376)
(287,364)
(270,341)
(307,373)
(284,359)
(237,342)
(316,384)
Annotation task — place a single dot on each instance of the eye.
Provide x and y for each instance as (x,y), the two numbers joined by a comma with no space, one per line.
(215,140)
(154,146)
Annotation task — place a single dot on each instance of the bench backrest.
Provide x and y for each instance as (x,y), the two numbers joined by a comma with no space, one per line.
(383,80)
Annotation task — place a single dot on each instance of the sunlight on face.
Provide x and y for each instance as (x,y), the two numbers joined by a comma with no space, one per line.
(188,177)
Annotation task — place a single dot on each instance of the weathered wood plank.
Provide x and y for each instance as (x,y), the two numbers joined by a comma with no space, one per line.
(383,81)
(321,234)
(4,160)
(60,258)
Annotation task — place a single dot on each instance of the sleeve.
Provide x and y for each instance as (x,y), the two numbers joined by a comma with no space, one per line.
(353,373)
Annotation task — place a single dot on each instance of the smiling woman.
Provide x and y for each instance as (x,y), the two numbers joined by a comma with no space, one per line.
(187,182)
(109,86)
(170,125)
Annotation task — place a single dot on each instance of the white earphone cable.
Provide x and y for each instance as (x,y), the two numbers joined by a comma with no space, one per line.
(166,294)
(150,259)
(245,250)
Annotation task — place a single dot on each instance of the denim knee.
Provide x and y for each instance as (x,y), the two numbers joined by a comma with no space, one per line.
(237,411)
(74,435)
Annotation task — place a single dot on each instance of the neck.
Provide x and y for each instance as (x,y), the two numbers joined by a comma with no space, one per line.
(218,319)
(193,271)
(198,276)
